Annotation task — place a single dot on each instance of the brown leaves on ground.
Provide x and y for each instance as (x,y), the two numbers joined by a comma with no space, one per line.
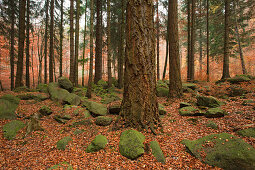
(38,150)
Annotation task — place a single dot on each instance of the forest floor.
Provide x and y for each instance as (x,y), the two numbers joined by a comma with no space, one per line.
(38,150)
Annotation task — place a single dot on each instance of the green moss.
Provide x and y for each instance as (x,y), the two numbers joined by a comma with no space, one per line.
(8,106)
(157,152)
(212,125)
(10,129)
(131,144)
(238,79)
(45,110)
(21,89)
(184,104)
(95,108)
(189,85)
(188,111)
(162,92)
(215,112)
(65,83)
(208,101)
(78,131)
(103,121)
(97,144)
(42,88)
(223,150)
(161,109)
(61,144)
(86,114)
(250,132)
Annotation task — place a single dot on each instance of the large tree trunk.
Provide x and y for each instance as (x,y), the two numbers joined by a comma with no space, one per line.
(225,73)
(192,43)
(51,41)
(109,53)
(84,45)
(98,59)
(27,46)
(19,73)
(88,94)
(157,22)
(46,42)
(61,39)
(71,43)
(175,83)
(139,105)
(189,38)
(12,18)
(77,29)
(207,42)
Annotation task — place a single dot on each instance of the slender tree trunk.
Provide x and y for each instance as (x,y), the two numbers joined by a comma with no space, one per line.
(39,57)
(32,60)
(207,41)
(19,73)
(27,46)
(88,94)
(109,53)
(98,59)
(188,51)
(72,71)
(12,18)
(192,42)
(121,46)
(61,39)
(225,73)
(200,41)
(84,45)
(175,83)
(167,44)
(157,22)
(51,41)
(77,35)
(46,42)
(139,106)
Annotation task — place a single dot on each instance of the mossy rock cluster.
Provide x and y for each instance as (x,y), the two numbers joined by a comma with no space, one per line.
(10,129)
(65,83)
(62,143)
(96,109)
(239,79)
(157,152)
(8,106)
(131,144)
(103,121)
(97,144)
(62,119)
(45,111)
(208,101)
(250,132)
(222,150)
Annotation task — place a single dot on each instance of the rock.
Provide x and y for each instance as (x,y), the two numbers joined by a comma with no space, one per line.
(248,102)
(80,91)
(86,114)
(131,144)
(8,106)
(189,85)
(223,150)
(42,88)
(234,91)
(61,144)
(215,112)
(208,101)
(161,109)
(62,95)
(31,96)
(157,152)
(238,79)
(62,119)
(21,89)
(10,129)
(45,111)
(65,83)
(95,109)
(110,99)
(97,144)
(114,109)
(162,92)
(184,104)
(86,122)
(250,132)
(188,111)
(212,125)
(103,121)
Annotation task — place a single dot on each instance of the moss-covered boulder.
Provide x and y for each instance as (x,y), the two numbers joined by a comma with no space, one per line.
(45,110)
(162,92)
(215,112)
(65,83)
(157,152)
(223,150)
(234,91)
(248,102)
(189,111)
(184,104)
(114,109)
(161,109)
(96,109)
(97,144)
(189,85)
(131,144)
(250,132)
(208,101)
(62,143)
(239,79)
(62,119)
(86,114)
(42,88)
(103,121)
(86,122)
(212,125)
(10,129)
(110,98)
(8,106)
(63,96)
(31,96)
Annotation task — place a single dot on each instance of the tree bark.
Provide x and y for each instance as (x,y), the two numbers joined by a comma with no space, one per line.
(207,42)
(109,53)
(225,73)
(188,51)
(84,45)
(157,22)
(51,41)
(71,42)
(88,94)
(27,46)
(200,41)
(175,83)
(77,30)
(46,42)
(139,106)
(167,48)
(61,39)
(19,73)
(12,18)
(192,43)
